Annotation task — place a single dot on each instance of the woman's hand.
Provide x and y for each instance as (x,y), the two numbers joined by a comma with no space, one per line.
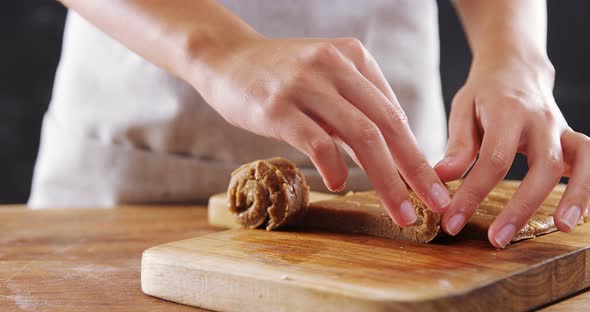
(315,94)
(310,93)
(504,108)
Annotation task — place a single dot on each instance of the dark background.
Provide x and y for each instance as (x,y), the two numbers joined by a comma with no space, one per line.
(31,32)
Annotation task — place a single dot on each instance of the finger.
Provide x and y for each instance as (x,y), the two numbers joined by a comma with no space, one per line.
(463,139)
(392,123)
(349,151)
(365,139)
(366,64)
(498,150)
(576,198)
(308,137)
(546,167)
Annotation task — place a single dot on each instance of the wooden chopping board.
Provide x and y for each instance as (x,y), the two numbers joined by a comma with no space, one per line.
(256,270)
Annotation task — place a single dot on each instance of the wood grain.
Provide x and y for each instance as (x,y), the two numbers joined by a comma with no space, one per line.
(239,270)
(578,302)
(89,259)
(86,259)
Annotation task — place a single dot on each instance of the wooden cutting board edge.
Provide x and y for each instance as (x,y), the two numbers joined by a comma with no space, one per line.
(498,292)
(544,271)
(272,277)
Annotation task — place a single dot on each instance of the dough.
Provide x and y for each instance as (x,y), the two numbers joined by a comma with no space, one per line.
(268,193)
(273,193)
(540,223)
(363,213)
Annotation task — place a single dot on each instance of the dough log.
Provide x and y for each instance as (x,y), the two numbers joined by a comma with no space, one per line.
(273,193)
(363,213)
(269,193)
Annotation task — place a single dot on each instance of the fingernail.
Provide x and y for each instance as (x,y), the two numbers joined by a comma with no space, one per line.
(407,212)
(340,188)
(334,189)
(571,216)
(505,235)
(586,212)
(440,195)
(455,224)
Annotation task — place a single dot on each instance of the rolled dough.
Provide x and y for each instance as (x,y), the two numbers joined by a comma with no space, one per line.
(272,193)
(268,193)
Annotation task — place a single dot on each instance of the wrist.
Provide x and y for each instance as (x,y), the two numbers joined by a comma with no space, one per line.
(204,47)
(207,58)
(516,56)
(200,45)
(519,62)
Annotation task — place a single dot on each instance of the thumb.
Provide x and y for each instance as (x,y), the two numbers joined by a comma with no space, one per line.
(464,139)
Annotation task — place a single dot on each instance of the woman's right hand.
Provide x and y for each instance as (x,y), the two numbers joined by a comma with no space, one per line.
(310,93)
(315,93)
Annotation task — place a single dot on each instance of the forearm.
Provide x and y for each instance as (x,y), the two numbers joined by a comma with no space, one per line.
(177,35)
(505,29)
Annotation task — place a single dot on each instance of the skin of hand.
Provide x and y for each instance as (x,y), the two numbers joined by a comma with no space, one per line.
(315,94)
(311,93)
(506,107)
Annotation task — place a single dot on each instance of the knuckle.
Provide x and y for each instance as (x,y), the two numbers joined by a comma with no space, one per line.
(284,93)
(354,45)
(554,164)
(298,79)
(393,185)
(577,143)
(358,54)
(294,86)
(521,104)
(419,167)
(526,206)
(499,160)
(275,104)
(544,119)
(583,188)
(462,144)
(323,54)
(472,196)
(530,104)
(394,119)
(548,116)
(320,148)
(514,102)
(367,131)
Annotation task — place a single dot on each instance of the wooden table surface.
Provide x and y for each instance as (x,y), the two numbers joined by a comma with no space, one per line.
(89,259)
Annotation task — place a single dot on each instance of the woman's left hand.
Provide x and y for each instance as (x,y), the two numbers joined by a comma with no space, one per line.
(506,108)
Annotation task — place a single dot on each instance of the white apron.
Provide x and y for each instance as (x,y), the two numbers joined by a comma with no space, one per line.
(121,130)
